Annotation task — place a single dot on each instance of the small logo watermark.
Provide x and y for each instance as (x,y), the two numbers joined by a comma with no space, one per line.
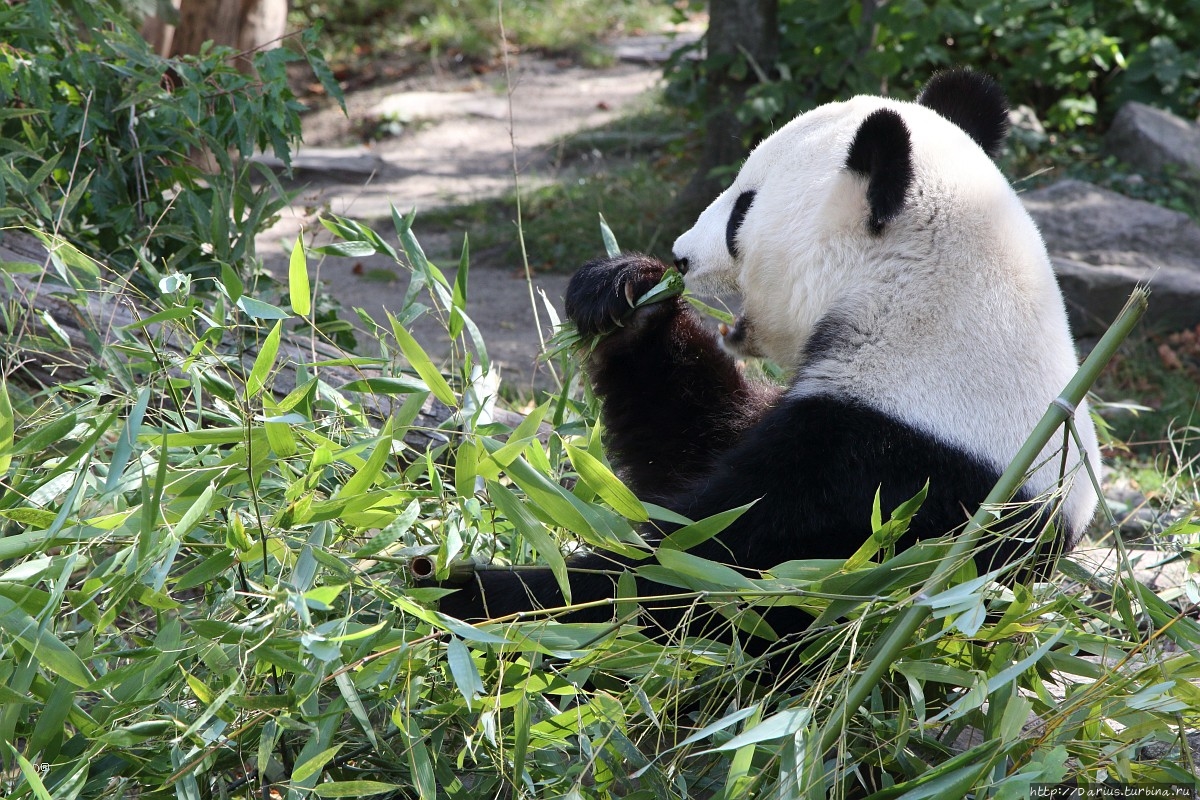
(1104,791)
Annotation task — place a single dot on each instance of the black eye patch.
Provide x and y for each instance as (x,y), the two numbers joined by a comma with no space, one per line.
(740,207)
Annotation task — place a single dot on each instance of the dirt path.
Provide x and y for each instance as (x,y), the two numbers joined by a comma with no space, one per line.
(456,146)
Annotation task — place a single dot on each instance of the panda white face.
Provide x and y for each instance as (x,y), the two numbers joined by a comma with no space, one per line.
(881,255)
(796,234)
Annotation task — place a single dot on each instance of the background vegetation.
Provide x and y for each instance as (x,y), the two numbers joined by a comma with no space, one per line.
(205,530)
(1073,63)
(470,29)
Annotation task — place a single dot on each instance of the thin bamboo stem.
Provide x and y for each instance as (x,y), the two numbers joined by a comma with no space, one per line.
(879,661)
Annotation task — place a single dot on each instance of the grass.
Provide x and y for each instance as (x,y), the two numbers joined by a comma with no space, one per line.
(363,30)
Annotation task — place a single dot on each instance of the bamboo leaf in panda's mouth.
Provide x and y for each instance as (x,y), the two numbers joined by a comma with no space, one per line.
(567,336)
(671,285)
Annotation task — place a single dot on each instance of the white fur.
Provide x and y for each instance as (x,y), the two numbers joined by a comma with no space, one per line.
(960,326)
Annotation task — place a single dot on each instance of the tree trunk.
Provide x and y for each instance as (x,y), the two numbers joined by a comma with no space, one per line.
(245,25)
(738,30)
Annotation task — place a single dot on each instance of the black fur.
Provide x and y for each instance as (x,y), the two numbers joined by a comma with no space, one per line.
(974,102)
(672,401)
(882,153)
(740,207)
(687,430)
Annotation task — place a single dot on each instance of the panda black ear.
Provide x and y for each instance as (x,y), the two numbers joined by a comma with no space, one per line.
(974,102)
(882,153)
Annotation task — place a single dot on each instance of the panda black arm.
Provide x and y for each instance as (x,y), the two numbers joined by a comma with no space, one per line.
(672,401)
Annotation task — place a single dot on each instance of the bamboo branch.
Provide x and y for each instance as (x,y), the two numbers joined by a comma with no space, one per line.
(888,648)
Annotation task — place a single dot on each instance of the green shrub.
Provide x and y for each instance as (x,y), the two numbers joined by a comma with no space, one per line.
(100,139)
(1074,63)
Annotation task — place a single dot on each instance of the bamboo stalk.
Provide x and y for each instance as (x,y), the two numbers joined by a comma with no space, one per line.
(888,648)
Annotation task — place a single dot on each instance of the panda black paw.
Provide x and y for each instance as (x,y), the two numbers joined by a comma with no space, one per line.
(601,295)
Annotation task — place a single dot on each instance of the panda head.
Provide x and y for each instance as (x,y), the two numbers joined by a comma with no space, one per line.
(847,199)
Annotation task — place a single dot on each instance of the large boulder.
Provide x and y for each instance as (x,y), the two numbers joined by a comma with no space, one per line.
(1102,244)
(1153,140)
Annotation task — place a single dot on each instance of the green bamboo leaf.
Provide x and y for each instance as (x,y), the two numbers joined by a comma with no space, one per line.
(347,249)
(938,673)
(279,430)
(520,738)
(521,436)
(669,285)
(420,763)
(201,438)
(166,315)
(365,477)
(7,427)
(257,309)
(603,482)
(195,512)
(397,384)
(460,629)
(43,437)
(30,773)
(954,777)
(711,573)
(124,447)
(232,282)
(314,765)
(349,692)
(886,533)
(777,726)
(463,670)
(400,526)
(691,535)
(422,363)
(299,291)
(611,248)
(264,362)
(458,296)
(466,468)
(354,788)
(719,314)
(43,645)
(534,532)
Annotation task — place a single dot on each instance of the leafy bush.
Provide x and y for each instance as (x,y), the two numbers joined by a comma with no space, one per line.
(101,139)
(1074,63)
(204,591)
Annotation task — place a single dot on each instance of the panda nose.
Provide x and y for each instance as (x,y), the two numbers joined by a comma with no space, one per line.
(681,264)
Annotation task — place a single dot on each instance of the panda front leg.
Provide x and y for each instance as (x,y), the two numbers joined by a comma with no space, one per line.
(672,400)
(673,403)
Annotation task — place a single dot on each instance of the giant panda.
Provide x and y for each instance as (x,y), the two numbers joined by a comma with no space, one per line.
(886,264)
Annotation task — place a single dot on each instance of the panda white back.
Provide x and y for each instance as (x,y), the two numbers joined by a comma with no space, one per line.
(881,256)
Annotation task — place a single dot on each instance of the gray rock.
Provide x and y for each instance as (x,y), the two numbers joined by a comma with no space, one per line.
(656,48)
(1102,244)
(1024,118)
(1152,140)
(353,162)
